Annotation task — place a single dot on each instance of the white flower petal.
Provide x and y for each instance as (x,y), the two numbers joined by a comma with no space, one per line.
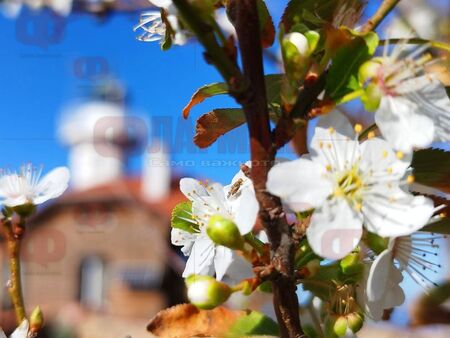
(392,212)
(161,3)
(2,334)
(435,103)
(378,276)
(52,185)
(245,210)
(222,261)
(378,157)
(200,261)
(184,239)
(191,188)
(403,125)
(21,331)
(334,143)
(335,229)
(301,184)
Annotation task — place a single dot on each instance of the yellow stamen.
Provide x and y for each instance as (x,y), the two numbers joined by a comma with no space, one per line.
(358,128)
(410,179)
(370,135)
(400,155)
(385,154)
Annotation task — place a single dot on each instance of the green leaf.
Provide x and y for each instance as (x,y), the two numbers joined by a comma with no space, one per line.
(432,167)
(266,24)
(253,324)
(181,218)
(343,74)
(216,123)
(311,13)
(273,85)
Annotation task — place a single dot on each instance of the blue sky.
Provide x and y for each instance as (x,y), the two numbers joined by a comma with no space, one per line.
(38,75)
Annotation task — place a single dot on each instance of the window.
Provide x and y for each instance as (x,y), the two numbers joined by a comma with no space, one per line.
(92,272)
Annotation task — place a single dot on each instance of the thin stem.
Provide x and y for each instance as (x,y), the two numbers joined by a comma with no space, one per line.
(385,8)
(254,242)
(205,34)
(351,96)
(366,132)
(417,41)
(15,282)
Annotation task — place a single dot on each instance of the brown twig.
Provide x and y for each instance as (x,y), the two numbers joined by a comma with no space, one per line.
(254,102)
(385,8)
(13,243)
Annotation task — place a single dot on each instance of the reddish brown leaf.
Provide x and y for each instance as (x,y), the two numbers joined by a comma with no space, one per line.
(186,320)
(216,123)
(203,93)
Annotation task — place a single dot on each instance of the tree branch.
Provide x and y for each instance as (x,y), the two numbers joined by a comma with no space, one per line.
(385,8)
(254,102)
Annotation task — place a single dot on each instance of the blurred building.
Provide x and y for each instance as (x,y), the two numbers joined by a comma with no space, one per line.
(102,250)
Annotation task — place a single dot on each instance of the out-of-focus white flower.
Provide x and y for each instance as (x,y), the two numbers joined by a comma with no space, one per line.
(386,280)
(20,332)
(412,106)
(236,202)
(26,187)
(349,184)
(154,29)
(411,254)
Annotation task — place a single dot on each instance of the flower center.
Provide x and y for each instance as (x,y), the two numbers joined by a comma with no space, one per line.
(349,184)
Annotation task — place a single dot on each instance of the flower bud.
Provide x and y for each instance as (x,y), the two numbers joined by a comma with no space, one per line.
(224,232)
(351,264)
(371,97)
(368,71)
(36,320)
(205,292)
(340,326)
(299,41)
(376,243)
(355,321)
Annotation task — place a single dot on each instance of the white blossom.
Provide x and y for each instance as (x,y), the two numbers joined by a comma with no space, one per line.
(154,29)
(414,110)
(236,202)
(349,184)
(20,332)
(12,8)
(410,254)
(385,292)
(26,186)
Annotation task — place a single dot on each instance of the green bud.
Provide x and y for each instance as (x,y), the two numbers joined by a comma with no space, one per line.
(340,326)
(206,292)
(371,97)
(25,210)
(377,243)
(351,264)
(355,321)
(313,39)
(299,41)
(36,320)
(329,322)
(224,232)
(368,71)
